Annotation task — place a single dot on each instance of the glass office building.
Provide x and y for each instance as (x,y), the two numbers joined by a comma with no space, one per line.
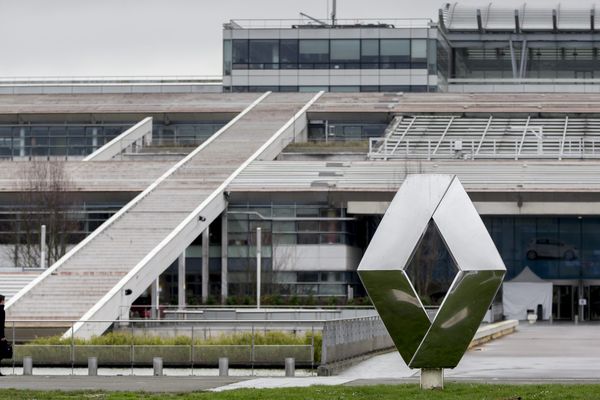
(372,56)
(469,48)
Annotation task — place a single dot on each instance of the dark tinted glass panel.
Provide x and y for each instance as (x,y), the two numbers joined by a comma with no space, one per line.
(418,53)
(314,53)
(264,54)
(263,88)
(345,53)
(226,57)
(369,56)
(395,88)
(395,53)
(369,88)
(432,57)
(344,89)
(418,88)
(288,53)
(240,54)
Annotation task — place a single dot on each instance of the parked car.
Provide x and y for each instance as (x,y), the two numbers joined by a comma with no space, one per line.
(550,248)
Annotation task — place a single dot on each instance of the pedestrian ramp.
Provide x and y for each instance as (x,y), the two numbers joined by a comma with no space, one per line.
(95,282)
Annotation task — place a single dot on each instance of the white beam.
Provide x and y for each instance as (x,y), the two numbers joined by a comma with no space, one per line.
(205,263)
(140,133)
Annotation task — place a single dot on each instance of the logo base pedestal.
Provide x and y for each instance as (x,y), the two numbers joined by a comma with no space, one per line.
(432,378)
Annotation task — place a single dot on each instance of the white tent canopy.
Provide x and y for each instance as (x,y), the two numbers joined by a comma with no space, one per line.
(525,292)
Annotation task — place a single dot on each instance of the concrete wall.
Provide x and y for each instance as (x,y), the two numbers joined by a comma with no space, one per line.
(321,257)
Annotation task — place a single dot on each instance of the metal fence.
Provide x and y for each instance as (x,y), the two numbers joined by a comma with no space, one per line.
(348,338)
(200,344)
(184,344)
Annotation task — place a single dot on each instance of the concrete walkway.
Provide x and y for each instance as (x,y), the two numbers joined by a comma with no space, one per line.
(540,352)
(534,354)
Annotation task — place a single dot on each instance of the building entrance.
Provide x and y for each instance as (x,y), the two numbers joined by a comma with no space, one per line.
(562,302)
(594,303)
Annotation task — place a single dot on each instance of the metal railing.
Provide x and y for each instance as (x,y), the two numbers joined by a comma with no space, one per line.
(392,148)
(349,338)
(196,343)
(103,80)
(192,344)
(300,21)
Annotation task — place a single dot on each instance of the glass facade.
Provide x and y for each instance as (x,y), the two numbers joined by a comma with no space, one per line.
(86,218)
(554,248)
(338,89)
(79,140)
(285,228)
(560,60)
(343,132)
(326,54)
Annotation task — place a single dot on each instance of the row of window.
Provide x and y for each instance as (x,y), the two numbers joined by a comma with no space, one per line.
(338,89)
(320,132)
(328,54)
(82,139)
(543,63)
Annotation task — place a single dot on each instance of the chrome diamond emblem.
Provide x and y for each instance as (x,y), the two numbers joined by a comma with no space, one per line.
(436,340)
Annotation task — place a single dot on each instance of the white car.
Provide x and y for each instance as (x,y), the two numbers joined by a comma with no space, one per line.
(550,248)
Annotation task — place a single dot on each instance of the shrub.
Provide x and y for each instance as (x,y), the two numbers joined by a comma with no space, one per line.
(271,338)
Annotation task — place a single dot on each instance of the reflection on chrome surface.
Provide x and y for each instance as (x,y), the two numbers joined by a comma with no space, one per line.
(431,248)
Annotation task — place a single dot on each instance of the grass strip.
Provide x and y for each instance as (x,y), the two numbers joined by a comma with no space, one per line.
(453,391)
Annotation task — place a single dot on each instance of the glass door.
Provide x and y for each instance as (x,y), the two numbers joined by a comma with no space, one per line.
(594,303)
(562,302)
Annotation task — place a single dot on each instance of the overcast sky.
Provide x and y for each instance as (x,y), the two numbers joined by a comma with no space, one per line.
(156,37)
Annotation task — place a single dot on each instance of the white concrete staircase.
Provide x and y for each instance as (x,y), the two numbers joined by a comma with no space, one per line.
(12,282)
(116,263)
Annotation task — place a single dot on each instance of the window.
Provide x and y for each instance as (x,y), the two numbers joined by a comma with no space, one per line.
(288,53)
(418,53)
(395,88)
(344,89)
(371,88)
(311,89)
(369,54)
(432,57)
(345,53)
(264,54)
(226,57)
(240,54)
(314,54)
(395,53)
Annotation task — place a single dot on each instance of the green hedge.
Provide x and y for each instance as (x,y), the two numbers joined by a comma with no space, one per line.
(237,339)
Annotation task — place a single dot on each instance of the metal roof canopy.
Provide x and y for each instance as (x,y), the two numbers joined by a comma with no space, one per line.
(455,17)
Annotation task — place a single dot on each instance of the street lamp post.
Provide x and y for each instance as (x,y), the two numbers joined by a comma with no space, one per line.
(258,260)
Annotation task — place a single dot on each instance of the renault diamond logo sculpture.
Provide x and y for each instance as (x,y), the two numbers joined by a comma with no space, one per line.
(426,205)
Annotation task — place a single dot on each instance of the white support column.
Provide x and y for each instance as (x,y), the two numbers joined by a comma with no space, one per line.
(95,138)
(205,260)
(43,247)
(258,264)
(22,142)
(224,253)
(181,288)
(154,299)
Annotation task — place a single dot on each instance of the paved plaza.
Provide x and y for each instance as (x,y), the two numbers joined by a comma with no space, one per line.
(558,353)
(540,352)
